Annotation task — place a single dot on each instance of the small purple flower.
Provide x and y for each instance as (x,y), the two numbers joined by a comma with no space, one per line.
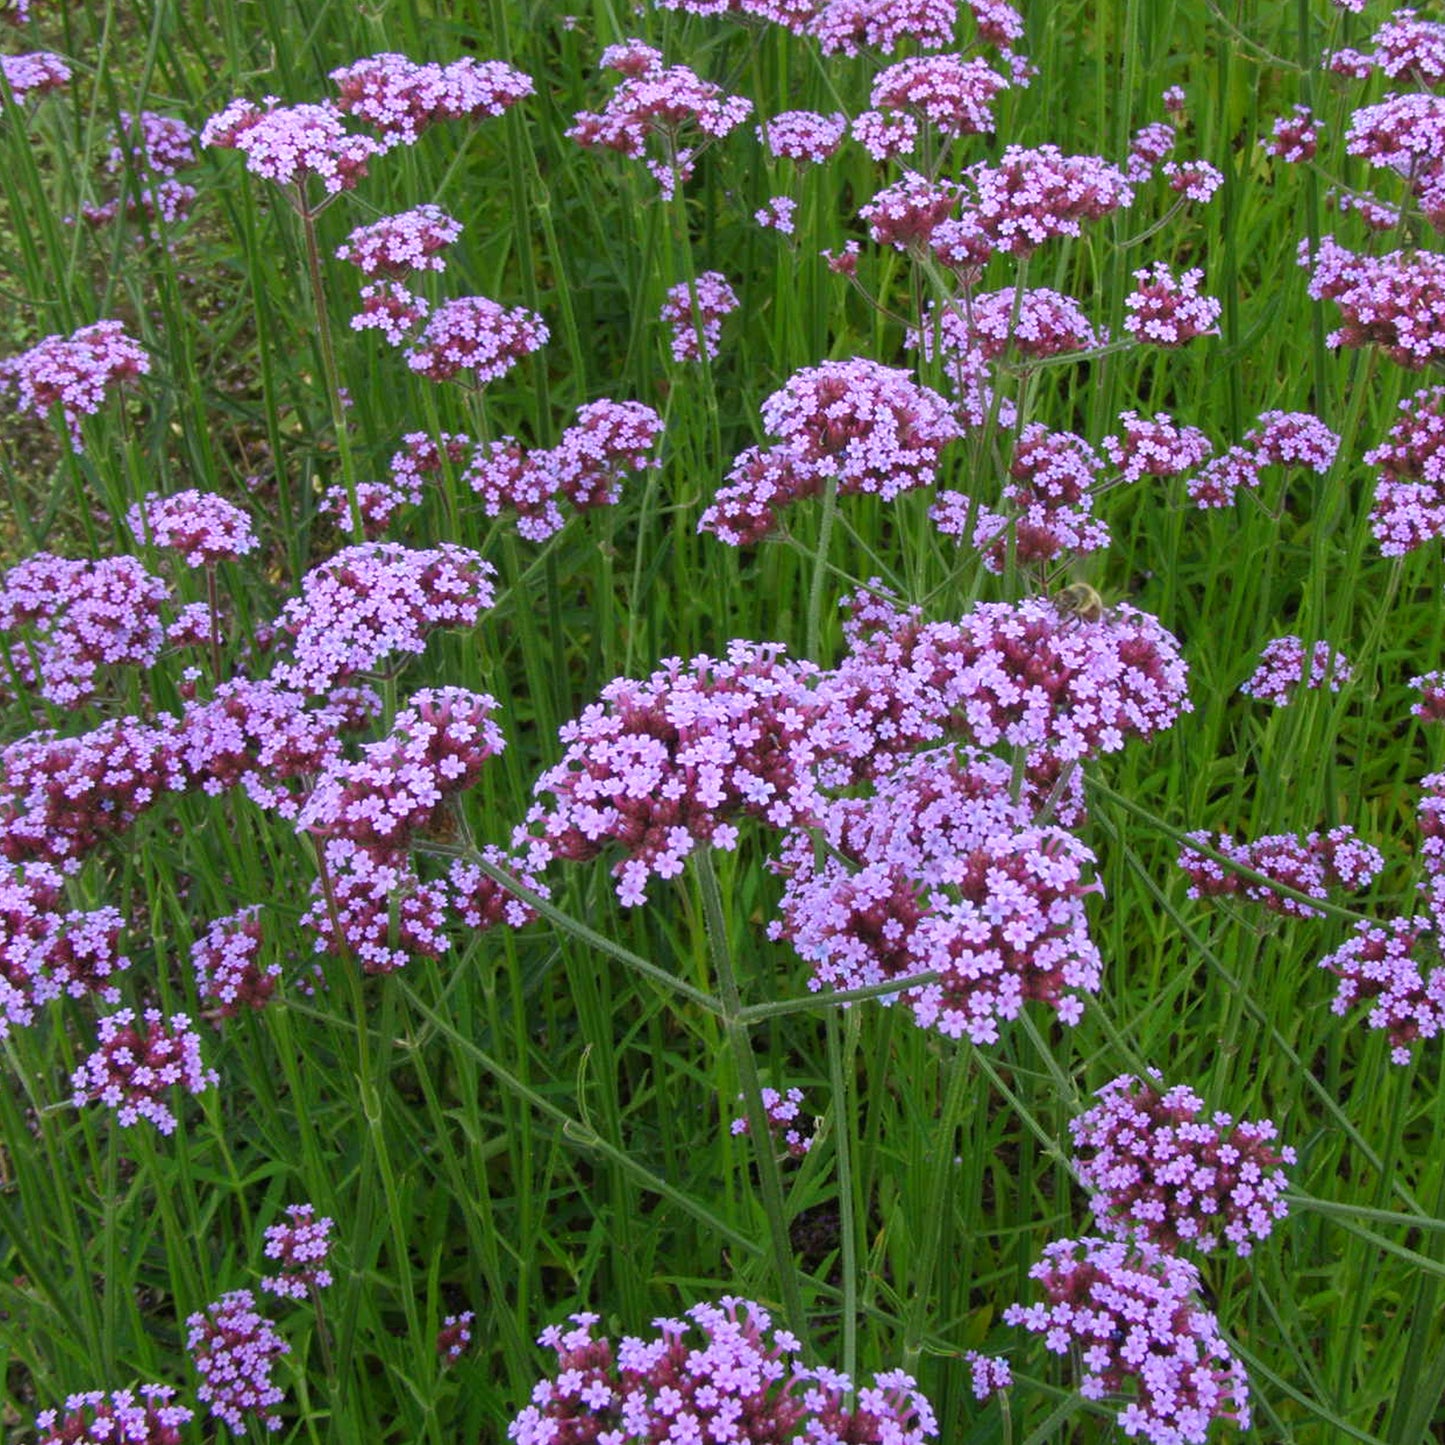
(1157,1169)
(1410,50)
(34,73)
(715,300)
(204,528)
(1131,1314)
(235,1348)
(401,98)
(952,94)
(157,145)
(303,1245)
(395,246)
(388,307)
(1194,180)
(1029,196)
(1395,301)
(906,213)
(783,1111)
(227,974)
(1281,671)
(1377,966)
(74,372)
(1409,506)
(292,144)
(1311,864)
(1431,687)
(804,136)
(777,215)
(136,1066)
(989,1374)
(95,1418)
(455,1336)
(848,26)
(1154,447)
(1293,137)
(1148,148)
(474,335)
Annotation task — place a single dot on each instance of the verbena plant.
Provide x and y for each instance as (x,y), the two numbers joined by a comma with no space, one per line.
(750,693)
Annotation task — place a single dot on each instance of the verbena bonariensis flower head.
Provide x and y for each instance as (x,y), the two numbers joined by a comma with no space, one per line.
(117,1418)
(401,98)
(474,335)
(886,136)
(1293,137)
(388,307)
(1431,687)
(873,427)
(1378,966)
(260,737)
(777,215)
(228,976)
(722,1373)
(715,299)
(168,201)
(480,902)
(1281,671)
(804,136)
(375,599)
(437,748)
(1149,145)
(609,441)
(1293,439)
(952,94)
(395,246)
(301,1246)
(34,73)
(370,905)
(1403,133)
(455,1336)
(1409,506)
(761,482)
(291,145)
(61,797)
(1165,310)
(663,766)
(941,870)
(1194,180)
(419,459)
(1039,324)
(156,145)
(848,26)
(234,1349)
(1131,1315)
(1154,447)
(202,527)
(1031,195)
(74,372)
(906,213)
(666,104)
(1158,1169)
(64,621)
(137,1065)
(1411,50)
(1394,301)
(783,1111)
(988,1374)
(1310,864)
(1430,815)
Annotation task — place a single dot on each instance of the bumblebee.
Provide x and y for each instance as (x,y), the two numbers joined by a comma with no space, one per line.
(1080,601)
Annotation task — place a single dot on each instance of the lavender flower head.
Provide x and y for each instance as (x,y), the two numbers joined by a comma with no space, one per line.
(952,94)
(1377,966)
(1169,311)
(292,144)
(74,372)
(95,1418)
(722,1373)
(401,98)
(204,528)
(473,334)
(34,73)
(715,300)
(395,246)
(1281,671)
(234,1348)
(1409,506)
(1131,1314)
(227,974)
(783,1112)
(803,136)
(302,1246)
(1156,1169)
(1311,864)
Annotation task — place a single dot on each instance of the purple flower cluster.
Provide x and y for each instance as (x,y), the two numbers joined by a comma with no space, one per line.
(204,528)
(34,73)
(1039,324)
(235,1348)
(1430,814)
(302,1246)
(1147,148)
(1293,137)
(1281,671)
(73,372)
(1194,180)
(398,788)
(1406,134)
(1409,507)
(371,600)
(155,147)
(886,135)
(803,136)
(480,902)
(1378,966)
(419,459)
(388,307)
(872,427)
(475,335)
(1282,438)
(1165,310)
(847,27)
(1312,864)
(455,1336)
(715,299)
(95,1418)
(136,1066)
(1156,1169)
(662,102)
(988,1374)
(1411,50)
(663,766)
(940,870)
(400,98)
(1049,495)
(62,621)
(950,93)
(1131,1313)
(783,1111)
(722,1373)
(609,441)
(292,144)
(1395,301)
(227,973)
(395,246)
(777,215)
(1431,687)
(1154,447)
